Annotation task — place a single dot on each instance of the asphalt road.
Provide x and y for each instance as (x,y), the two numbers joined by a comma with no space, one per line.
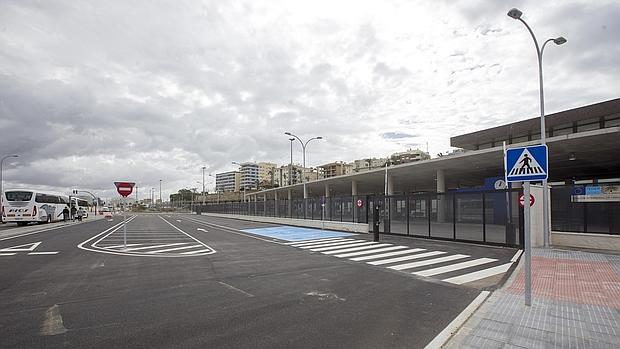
(183,282)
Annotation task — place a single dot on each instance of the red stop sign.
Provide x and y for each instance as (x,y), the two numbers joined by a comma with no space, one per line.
(124,188)
(359,203)
(521,200)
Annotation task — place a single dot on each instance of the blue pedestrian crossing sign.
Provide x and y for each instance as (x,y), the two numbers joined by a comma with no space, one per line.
(527,164)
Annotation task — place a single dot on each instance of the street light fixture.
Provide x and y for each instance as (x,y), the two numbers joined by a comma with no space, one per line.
(203,184)
(303,177)
(217,191)
(160,202)
(516,14)
(1,192)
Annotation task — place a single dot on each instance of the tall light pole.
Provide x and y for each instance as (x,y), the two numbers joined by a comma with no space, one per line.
(238,164)
(1,192)
(516,14)
(160,202)
(303,177)
(153,197)
(203,184)
(290,168)
(216,188)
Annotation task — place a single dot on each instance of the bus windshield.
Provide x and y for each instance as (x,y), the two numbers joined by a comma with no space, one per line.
(18,195)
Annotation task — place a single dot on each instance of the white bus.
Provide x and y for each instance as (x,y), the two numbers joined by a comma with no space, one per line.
(81,205)
(24,206)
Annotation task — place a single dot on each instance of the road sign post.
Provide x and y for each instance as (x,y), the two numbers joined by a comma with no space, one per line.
(124,189)
(527,164)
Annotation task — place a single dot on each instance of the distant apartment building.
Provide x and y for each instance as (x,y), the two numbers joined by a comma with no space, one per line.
(266,174)
(411,155)
(227,181)
(334,169)
(368,164)
(249,175)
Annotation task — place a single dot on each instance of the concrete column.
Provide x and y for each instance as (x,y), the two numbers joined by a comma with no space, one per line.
(326,210)
(265,204)
(442,202)
(290,204)
(326,190)
(353,187)
(255,205)
(390,188)
(275,203)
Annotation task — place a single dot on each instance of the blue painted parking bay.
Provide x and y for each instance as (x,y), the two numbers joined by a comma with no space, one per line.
(296,233)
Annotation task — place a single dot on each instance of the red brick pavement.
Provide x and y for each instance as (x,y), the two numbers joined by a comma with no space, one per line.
(585,282)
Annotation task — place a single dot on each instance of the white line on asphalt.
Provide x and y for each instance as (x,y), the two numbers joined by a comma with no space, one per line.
(361,253)
(202,230)
(406,258)
(304,242)
(454,267)
(42,253)
(367,247)
(428,262)
(516,256)
(191,237)
(477,275)
(175,249)
(344,245)
(178,220)
(440,340)
(116,246)
(236,289)
(232,230)
(8,254)
(154,246)
(397,253)
(195,252)
(330,243)
(112,230)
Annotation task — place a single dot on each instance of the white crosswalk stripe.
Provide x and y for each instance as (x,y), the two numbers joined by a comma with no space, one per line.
(454,267)
(351,244)
(406,258)
(176,249)
(390,254)
(385,249)
(334,243)
(310,242)
(428,262)
(356,249)
(392,257)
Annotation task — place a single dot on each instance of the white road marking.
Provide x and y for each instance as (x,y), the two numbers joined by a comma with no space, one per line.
(21,248)
(329,243)
(178,220)
(397,253)
(303,242)
(175,249)
(477,275)
(454,267)
(42,253)
(357,248)
(202,230)
(361,253)
(406,258)
(516,256)
(154,246)
(53,325)
(236,289)
(347,245)
(428,262)
(8,254)
(116,246)
(194,252)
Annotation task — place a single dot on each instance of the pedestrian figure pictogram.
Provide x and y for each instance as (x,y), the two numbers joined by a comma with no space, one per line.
(526,164)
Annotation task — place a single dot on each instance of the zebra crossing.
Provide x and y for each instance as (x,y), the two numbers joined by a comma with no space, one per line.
(454,268)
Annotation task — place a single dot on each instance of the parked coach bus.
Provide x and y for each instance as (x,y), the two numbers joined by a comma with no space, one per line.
(25,206)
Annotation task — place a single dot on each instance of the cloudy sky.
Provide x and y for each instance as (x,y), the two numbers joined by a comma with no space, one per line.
(97,91)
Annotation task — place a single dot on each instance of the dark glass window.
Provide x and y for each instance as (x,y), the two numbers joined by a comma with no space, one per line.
(18,195)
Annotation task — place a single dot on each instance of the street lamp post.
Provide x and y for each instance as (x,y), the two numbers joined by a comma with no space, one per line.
(303,177)
(203,184)
(236,163)
(1,192)
(516,14)
(160,202)
(290,168)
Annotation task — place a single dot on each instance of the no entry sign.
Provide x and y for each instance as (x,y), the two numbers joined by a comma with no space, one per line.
(124,188)
(359,203)
(522,197)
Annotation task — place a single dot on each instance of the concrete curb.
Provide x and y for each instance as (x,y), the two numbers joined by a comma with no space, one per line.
(444,336)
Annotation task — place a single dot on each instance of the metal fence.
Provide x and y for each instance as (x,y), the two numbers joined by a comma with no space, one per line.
(490,217)
(583,217)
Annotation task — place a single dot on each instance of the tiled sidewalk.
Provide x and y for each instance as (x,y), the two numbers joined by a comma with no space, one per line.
(575,304)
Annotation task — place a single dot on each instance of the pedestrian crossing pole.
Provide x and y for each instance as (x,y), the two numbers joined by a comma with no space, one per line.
(528,246)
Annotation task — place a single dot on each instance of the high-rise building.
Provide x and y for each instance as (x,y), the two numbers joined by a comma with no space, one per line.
(266,174)
(227,181)
(334,169)
(249,175)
